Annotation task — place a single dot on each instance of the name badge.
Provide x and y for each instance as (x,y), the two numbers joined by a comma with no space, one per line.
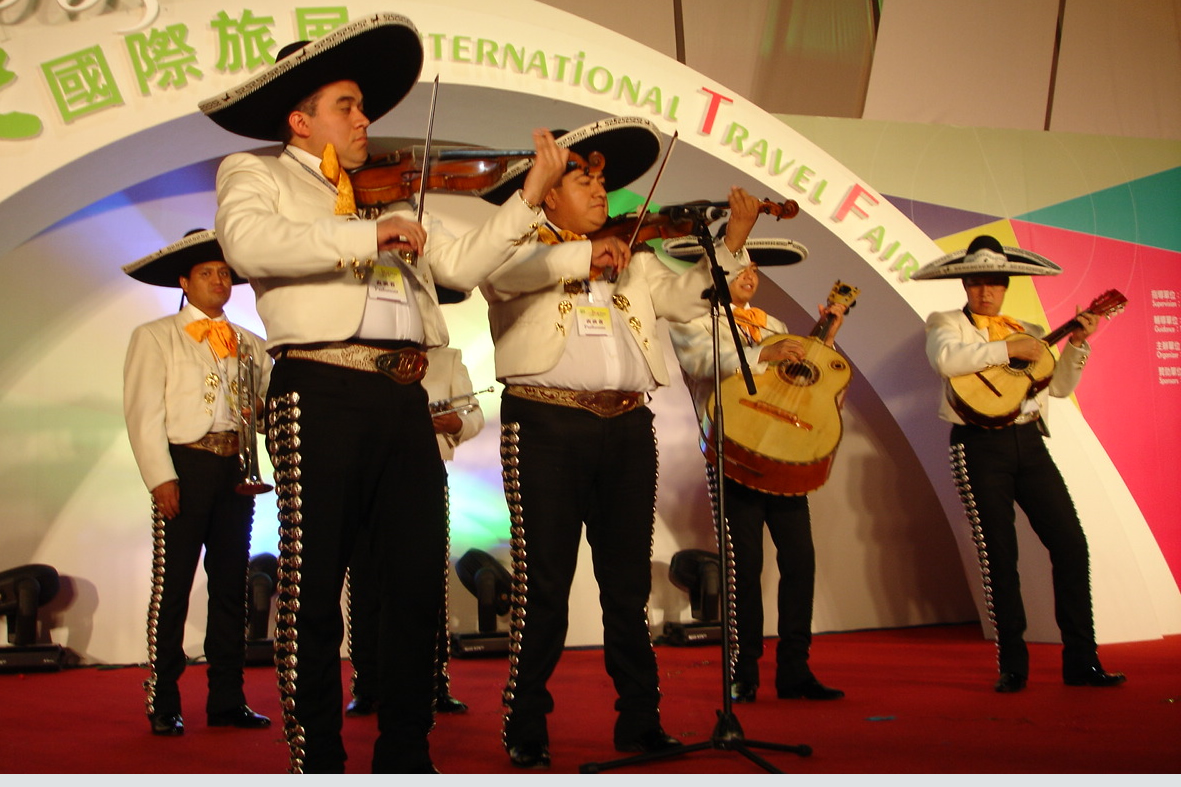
(387,284)
(594,321)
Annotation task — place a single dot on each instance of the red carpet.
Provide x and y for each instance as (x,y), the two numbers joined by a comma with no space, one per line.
(919,701)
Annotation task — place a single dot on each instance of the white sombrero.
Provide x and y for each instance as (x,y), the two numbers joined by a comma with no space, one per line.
(381,53)
(630,146)
(985,255)
(764,252)
(165,267)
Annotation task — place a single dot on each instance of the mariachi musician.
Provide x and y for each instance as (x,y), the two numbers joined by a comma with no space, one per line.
(1002,463)
(747,508)
(182,385)
(349,307)
(574,321)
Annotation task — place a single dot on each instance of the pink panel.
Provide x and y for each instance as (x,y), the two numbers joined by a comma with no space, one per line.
(1131,392)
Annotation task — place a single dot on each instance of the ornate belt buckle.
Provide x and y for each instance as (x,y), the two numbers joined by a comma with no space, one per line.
(403,366)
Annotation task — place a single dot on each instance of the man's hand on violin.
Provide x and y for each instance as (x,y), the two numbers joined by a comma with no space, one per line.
(610,256)
(399,234)
(549,167)
(744,212)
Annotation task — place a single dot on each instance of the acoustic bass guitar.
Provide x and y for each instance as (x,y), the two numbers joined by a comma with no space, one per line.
(783,439)
(992,397)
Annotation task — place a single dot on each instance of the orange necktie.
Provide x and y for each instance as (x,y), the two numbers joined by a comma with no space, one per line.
(753,319)
(222,338)
(998,327)
(346,204)
(546,235)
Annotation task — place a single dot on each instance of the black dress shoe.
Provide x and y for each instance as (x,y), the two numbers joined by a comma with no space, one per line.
(1092,676)
(167,724)
(240,716)
(810,689)
(529,755)
(741,691)
(445,703)
(651,741)
(361,706)
(1010,683)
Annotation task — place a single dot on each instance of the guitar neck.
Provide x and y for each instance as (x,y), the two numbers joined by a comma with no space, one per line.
(822,328)
(1058,335)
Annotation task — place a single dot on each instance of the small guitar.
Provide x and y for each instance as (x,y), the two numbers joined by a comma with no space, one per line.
(783,439)
(992,397)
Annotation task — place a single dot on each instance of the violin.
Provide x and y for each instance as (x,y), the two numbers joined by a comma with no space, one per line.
(394,177)
(677,221)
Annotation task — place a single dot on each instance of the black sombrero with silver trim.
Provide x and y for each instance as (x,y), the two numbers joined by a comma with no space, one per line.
(165,267)
(381,53)
(764,252)
(985,255)
(630,146)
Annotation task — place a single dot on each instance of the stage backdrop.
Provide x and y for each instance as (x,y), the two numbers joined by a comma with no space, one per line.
(106,159)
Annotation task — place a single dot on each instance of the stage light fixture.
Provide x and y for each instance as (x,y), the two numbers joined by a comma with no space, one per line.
(489,581)
(23,591)
(698,573)
(263,582)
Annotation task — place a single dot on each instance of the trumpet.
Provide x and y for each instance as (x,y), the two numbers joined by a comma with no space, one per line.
(247,385)
(441,407)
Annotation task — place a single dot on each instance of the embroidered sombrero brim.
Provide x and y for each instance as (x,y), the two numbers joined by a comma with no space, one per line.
(165,267)
(764,252)
(630,146)
(1014,262)
(381,53)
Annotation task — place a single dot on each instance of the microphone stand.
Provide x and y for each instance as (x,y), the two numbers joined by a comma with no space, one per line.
(727,734)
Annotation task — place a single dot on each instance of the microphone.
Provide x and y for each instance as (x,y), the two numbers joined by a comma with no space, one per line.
(705,211)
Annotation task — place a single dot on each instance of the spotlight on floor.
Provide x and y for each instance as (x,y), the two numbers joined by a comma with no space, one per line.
(489,581)
(263,580)
(698,573)
(23,591)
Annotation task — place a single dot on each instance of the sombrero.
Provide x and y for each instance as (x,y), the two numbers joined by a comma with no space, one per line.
(986,255)
(764,252)
(165,267)
(630,146)
(381,53)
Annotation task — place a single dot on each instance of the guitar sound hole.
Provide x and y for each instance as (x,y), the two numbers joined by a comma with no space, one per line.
(798,373)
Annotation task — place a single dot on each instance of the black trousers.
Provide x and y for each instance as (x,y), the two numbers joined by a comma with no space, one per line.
(564,468)
(996,469)
(215,518)
(355,458)
(790,525)
(364,608)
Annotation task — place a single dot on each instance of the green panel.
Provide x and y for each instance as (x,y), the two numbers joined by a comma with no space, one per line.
(1145,211)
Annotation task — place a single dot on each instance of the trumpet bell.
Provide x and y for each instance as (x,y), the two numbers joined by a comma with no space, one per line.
(253,487)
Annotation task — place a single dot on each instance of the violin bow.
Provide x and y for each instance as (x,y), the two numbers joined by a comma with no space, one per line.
(426,153)
(644,208)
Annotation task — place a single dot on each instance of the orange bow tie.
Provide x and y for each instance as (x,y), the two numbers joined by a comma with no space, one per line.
(346,204)
(998,327)
(751,319)
(546,235)
(222,338)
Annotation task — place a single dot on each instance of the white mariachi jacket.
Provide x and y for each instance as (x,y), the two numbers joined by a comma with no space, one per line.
(530,314)
(275,223)
(694,346)
(166,377)
(955,346)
